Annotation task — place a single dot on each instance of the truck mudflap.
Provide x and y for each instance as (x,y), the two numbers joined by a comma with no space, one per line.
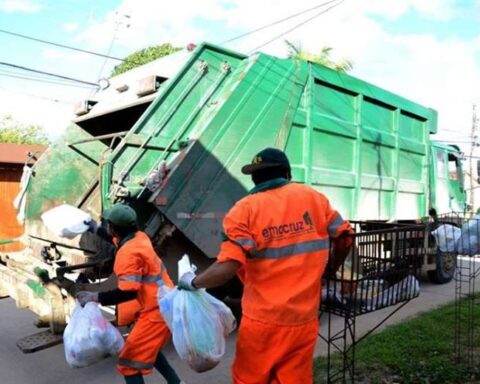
(39,341)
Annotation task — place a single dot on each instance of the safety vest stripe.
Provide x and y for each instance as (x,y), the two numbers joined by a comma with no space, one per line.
(141,279)
(134,364)
(134,278)
(291,250)
(243,242)
(334,225)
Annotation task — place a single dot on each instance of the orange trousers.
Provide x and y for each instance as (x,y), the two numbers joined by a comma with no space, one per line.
(272,354)
(142,346)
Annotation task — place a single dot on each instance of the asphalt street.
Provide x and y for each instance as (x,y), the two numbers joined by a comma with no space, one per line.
(49,366)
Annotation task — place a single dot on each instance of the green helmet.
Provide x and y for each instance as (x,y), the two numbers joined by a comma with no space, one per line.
(121,215)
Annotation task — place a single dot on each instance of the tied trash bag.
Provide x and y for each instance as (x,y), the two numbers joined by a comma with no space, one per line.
(89,337)
(199,324)
(66,221)
(469,242)
(447,237)
(377,297)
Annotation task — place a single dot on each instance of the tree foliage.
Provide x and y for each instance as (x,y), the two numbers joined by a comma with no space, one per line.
(12,131)
(144,56)
(296,51)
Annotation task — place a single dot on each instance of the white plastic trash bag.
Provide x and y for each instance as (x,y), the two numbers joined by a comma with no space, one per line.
(447,236)
(66,221)
(21,200)
(405,289)
(89,337)
(469,242)
(199,324)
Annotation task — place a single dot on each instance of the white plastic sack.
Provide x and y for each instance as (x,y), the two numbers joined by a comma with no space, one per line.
(89,337)
(199,324)
(469,242)
(447,237)
(405,289)
(66,221)
(20,201)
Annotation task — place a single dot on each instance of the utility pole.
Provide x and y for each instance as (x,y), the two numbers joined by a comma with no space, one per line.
(474,143)
(121,20)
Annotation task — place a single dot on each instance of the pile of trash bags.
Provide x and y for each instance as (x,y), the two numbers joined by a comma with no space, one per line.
(464,240)
(199,324)
(89,337)
(371,294)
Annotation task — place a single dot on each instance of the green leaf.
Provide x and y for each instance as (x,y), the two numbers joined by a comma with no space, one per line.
(12,131)
(144,56)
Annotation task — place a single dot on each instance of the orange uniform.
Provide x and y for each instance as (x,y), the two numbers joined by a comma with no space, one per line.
(280,234)
(138,268)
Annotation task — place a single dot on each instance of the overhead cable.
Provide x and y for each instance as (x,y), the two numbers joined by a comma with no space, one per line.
(42,80)
(36,96)
(59,45)
(277,22)
(48,74)
(296,26)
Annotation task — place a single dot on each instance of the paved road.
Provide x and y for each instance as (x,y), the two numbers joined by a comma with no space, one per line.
(49,367)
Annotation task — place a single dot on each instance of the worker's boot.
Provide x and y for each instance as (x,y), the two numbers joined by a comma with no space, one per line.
(134,379)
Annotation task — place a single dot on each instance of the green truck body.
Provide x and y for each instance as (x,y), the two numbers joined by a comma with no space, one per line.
(177,158)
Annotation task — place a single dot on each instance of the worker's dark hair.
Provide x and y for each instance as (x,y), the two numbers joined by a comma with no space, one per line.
(267,174)
(122,232)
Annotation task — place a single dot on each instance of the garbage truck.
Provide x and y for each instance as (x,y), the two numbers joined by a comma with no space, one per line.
(169,139)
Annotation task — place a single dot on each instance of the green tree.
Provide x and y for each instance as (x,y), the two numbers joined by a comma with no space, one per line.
(144,56)
(296,51)
(12,131)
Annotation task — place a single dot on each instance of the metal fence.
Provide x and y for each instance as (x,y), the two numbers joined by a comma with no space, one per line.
(458,235)
(380,271)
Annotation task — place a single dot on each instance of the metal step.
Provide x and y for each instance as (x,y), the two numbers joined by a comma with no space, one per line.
(39,341)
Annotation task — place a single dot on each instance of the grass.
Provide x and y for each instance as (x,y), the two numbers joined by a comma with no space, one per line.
(420,350)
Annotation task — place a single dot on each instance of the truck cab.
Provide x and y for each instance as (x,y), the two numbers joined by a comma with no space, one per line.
(447,192)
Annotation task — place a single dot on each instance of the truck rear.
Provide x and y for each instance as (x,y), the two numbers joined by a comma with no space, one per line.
(172,147)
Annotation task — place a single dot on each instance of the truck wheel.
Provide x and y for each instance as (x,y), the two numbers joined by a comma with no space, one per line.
(446,263)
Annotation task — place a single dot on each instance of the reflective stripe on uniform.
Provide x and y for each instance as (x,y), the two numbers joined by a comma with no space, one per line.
(334,225)
(242,242)
(142,279)
(133,278)
(135,364)
(291,250)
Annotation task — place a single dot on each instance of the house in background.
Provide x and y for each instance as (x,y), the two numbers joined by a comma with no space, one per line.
(12,159)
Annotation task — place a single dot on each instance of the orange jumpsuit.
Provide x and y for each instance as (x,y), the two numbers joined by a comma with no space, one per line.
(138,268)
(281,236)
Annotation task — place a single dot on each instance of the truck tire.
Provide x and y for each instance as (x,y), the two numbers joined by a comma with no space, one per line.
(446,264)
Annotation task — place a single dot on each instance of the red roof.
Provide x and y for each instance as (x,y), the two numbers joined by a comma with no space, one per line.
(17,153)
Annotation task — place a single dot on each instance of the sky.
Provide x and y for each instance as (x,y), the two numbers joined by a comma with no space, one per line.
(425,50)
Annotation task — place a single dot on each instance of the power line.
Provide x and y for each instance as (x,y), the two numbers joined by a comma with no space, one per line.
(42,80)
(48,74)
(120,20)
(37,96)
(277,22)
(59,45)
(297,26)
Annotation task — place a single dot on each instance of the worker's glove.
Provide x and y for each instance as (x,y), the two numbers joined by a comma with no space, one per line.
(92,225)
(85,297)
(186,281)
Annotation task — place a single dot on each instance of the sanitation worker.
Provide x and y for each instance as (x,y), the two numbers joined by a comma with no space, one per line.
(140,273)
(277,241)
